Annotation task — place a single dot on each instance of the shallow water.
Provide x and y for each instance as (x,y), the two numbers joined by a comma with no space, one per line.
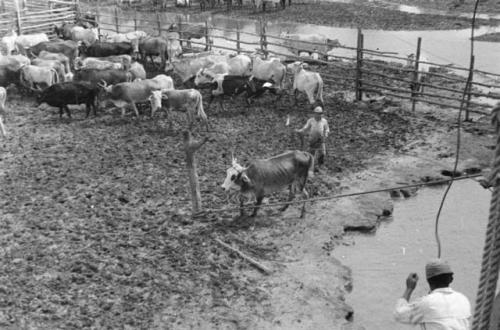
(380,263)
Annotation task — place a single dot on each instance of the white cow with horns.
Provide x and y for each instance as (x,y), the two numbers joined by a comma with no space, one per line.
(265,176)
(306,81)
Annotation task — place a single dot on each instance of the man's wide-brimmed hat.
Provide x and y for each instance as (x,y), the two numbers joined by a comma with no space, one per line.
(437,267)
(318,109)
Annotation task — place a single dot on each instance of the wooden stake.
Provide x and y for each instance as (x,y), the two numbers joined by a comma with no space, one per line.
(18,18)
(238,46)
(97,17)
(191,146)
(414,91)
(158,22)
(359,63)
(135,18)
(252,261)
(208,44)
(117,26)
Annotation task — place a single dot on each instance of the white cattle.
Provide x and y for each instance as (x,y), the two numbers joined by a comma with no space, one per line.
(309,43)
(96,63)
(307,82)
(54,64)
(205,75)
(29,40)
(125,37)
(58,57)
(189,100)
(271,69)
(137,71)
(8,43)
(163,82)
(31,75)
(13,62)
(86,36)
(3,97)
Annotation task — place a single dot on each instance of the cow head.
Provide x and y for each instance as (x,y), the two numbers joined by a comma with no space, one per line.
(78,63)
(235,177)
(203,77)
(295,67)
(155,99)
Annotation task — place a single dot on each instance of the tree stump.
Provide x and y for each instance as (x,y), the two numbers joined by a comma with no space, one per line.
(191,146)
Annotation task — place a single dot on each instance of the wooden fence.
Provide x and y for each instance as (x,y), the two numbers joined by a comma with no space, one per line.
(35,16)
(365,71)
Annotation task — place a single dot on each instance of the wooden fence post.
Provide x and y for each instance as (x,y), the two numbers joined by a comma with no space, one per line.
(208,42)
(263,38)
(158,22)
(3,6)
(469,89)
(238,46)
(359,64)
(135,18)
(415,86)
(98,17)
(18,18)
(117,25)
(191,146)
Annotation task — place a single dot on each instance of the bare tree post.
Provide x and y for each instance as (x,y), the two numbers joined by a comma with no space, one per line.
(416,87)
(158,22)
(208,45)
(135,18)
(191,146)
(97,16)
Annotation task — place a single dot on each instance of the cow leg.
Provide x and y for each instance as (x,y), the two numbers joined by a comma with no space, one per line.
(61,111)
(210,101)
(67,111)
(305,195)
(291,196)
(135,110)
(295,96)
(242,200)
(257,204)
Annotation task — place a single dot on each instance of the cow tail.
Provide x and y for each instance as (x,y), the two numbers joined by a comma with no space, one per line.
(310,171)
(319,95)
(55,76)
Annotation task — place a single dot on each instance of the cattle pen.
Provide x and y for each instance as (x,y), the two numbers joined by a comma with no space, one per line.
(357,71)
(35,16)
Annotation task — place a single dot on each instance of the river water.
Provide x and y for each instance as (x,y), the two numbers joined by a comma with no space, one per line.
(380,263)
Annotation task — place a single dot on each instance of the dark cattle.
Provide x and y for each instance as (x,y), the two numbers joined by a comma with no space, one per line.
(153,46)
(231,85)
(8,76)
(64,31)
(60,95)
(68,48)
(110,76)
(265,176)
(102,49)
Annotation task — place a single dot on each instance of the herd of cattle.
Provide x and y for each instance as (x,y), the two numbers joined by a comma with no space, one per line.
(79,68)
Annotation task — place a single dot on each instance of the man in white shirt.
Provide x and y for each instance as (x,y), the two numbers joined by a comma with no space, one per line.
(318,130)
(442,309)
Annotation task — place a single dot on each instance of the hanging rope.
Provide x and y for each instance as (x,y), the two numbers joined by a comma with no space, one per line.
(459,128)
(491,253)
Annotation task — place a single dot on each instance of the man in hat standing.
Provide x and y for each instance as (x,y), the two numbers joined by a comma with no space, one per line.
(442,309)
(318,130)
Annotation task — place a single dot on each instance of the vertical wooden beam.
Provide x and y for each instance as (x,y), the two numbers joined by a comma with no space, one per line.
(117,25)
(238,46)
(98,17)
(208,41)
(263,38)
(469,89)
(359,63)
(135,18)
(18,18)
(415,87)
(3,6)
(158,22)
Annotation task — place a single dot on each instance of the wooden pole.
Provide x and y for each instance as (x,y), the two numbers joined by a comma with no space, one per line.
(252,261)
(3,6)
(359,63)
(263,39)
(158,22)
(190,147)
(469,90)
(415,86)
(98,17)
(208,45)
(238,46)
(18,18)
(117,20)
(135,18)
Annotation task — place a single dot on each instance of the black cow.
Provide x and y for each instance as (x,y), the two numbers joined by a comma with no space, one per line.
(8,76)
(95,76)
(232,85)
(60,95)
(103,49)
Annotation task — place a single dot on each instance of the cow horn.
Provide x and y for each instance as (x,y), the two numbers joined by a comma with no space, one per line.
(103,84)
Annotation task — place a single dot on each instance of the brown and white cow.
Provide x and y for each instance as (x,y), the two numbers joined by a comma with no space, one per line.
(265,176)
